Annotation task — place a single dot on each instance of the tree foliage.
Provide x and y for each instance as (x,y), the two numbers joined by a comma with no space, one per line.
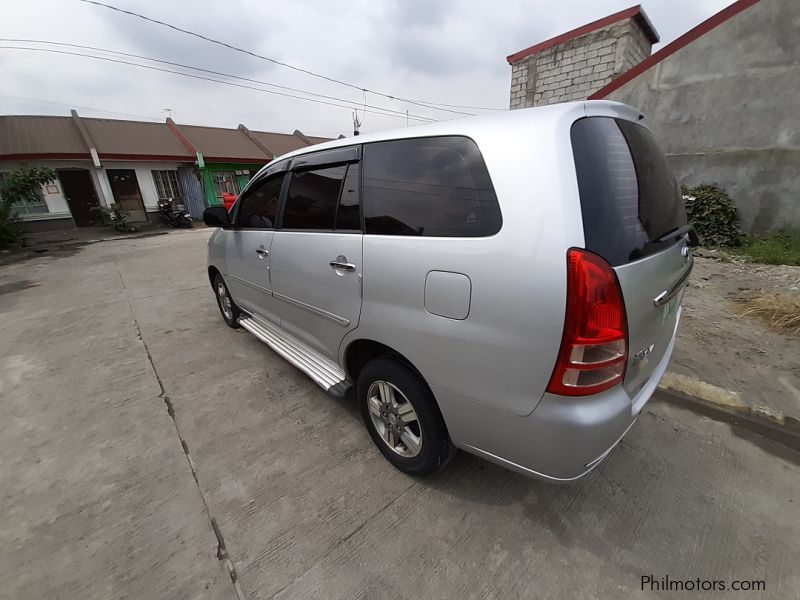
(20,185)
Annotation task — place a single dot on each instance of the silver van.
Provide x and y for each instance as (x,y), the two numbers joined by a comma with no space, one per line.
(508,284)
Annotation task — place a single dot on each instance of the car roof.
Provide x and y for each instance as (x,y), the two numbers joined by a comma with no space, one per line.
(511,120)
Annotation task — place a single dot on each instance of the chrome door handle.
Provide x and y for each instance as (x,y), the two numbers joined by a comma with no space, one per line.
(262,253)
(341,263)
(673,290)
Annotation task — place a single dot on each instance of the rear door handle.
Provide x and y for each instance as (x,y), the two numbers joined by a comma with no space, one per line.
(262,252)
(341,263)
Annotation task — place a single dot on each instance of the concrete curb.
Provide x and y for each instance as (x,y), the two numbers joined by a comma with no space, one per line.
(727,406)
(131,236)
(8,257)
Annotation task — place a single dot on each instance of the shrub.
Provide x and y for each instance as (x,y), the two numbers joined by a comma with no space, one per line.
(114,217)
(10,231)
(713,215)
(19,185)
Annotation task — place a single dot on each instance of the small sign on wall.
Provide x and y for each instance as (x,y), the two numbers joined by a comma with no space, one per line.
(51,189)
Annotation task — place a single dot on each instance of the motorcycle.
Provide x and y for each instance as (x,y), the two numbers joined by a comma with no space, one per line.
(172,216)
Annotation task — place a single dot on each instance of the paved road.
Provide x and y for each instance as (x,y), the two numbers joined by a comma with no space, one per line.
(106,495)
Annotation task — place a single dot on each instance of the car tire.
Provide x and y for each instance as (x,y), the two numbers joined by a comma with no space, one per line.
(402,417)
(230,312)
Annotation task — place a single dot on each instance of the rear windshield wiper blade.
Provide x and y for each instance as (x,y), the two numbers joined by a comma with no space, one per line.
(678,232)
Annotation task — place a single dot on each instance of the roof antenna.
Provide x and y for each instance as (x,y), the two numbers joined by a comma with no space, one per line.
(356,121)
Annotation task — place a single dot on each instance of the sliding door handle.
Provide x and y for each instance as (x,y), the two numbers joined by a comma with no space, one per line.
(342,264)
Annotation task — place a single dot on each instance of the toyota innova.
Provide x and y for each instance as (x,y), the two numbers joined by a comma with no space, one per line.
(509,285)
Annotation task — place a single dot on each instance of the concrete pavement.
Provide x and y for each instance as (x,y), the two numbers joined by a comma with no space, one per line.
(133,418)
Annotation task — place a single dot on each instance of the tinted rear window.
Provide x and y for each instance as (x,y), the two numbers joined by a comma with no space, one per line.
(629,196)
(428,186)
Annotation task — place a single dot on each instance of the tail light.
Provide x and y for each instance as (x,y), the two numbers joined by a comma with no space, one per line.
(594,347)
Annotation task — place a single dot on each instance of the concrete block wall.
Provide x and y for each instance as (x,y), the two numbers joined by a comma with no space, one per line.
(576,68)
(724,108)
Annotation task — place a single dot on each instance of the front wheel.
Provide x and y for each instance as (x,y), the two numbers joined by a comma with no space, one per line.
(402,417)
(230,312)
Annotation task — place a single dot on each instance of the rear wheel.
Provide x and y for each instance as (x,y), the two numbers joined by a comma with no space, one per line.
(230,312)
(402,418)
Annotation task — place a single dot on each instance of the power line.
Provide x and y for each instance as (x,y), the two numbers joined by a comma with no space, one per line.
(426,102)
(200,77)
(212,72)
(431,106)
(70,105)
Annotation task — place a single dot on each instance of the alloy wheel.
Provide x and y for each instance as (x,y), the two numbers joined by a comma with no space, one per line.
(394,419)
(224,301)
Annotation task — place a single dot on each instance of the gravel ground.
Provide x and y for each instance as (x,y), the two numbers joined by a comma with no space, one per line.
(146,448)
(721,345)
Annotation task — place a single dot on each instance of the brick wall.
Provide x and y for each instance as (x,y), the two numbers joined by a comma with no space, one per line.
(576,68)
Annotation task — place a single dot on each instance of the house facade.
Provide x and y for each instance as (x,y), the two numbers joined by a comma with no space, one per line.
(722,98)
(133,164)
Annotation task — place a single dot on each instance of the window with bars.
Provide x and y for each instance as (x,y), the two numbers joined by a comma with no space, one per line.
(225,181)
(29,207)
(167,186)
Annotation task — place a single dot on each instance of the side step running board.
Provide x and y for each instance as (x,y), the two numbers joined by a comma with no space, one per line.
(321,369)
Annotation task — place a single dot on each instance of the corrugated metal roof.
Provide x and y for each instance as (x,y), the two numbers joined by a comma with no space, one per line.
(279,143)
(40,135)
(60,137)
(114,136)
(216,142)
(318,140)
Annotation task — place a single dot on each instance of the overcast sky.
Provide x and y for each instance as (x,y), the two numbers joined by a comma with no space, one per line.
(444,51)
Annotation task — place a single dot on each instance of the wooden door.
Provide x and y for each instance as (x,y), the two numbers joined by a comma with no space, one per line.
(80,194)
(125,188)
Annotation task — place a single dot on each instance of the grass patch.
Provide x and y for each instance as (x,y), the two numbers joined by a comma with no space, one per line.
(778,248)
(780,312)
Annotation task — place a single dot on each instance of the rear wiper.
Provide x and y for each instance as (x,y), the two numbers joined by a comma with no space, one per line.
(678,232)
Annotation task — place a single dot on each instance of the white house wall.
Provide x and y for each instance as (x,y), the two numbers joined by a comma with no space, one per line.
(56,201)
(144,177)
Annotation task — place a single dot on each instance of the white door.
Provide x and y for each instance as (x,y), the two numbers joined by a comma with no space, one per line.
(316,258)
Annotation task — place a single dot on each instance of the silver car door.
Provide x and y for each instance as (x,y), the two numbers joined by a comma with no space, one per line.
(317,256)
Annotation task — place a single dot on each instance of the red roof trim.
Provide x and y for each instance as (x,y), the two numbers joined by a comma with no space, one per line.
(675,45)
(173,127)
(628,13)
(47,155)
(148,157)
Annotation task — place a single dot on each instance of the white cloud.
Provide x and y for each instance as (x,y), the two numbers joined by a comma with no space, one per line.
(450,51)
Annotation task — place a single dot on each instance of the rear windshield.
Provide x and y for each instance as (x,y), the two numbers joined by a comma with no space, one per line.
(629,196)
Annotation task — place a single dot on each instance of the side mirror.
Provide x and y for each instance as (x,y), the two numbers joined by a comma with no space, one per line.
(216,216)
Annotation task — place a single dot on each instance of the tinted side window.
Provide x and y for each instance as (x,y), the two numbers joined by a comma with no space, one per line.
(313,197)
(348,217)
(258,207)
(428,186)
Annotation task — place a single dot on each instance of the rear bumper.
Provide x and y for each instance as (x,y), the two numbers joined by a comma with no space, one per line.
(562,440)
